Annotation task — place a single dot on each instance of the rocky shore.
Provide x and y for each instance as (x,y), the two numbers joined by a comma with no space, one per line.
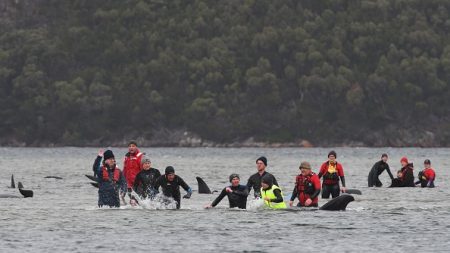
(390,137)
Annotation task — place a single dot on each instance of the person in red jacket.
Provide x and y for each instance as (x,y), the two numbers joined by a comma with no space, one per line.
(307,187)
(331,171)
(406,173)
(427,176)
(132,164)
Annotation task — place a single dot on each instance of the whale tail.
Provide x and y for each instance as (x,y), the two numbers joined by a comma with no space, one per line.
(202,186)
(338,204)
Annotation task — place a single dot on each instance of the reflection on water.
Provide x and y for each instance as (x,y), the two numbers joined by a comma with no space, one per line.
(63,217)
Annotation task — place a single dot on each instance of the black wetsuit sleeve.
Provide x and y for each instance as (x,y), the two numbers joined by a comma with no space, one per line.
(220,197)
(389,172)
(137,181)
(241,191)
(158,183)
(294,193)
(96,165)
(343,181)
(315,194)
(320,174)
(183,184)
(279,197)
(250,184)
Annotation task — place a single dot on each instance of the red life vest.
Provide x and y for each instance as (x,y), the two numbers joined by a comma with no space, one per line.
(304,184)
(132,166)
(116,174)
(429,174)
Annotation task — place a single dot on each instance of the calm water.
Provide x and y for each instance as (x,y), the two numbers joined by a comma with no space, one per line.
(62,217)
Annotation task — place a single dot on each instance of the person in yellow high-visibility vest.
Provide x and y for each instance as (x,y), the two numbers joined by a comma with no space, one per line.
(271,194)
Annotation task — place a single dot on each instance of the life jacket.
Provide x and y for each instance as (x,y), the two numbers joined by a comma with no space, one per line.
(304,184)
(269,193)
(132,166)
(428,174)
(116,174)
(331,178)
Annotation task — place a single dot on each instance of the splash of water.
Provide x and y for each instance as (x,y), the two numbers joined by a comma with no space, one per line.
(159,201)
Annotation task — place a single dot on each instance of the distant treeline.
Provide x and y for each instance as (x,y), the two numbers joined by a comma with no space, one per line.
(328,71)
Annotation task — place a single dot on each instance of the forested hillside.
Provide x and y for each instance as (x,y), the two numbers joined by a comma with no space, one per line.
(88,72)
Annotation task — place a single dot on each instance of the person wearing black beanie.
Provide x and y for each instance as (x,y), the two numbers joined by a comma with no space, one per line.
(111,181)
(255,180)
(237,194)
(170,184)
(331,171)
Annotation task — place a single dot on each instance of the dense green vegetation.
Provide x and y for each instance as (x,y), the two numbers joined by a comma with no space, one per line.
(326,71)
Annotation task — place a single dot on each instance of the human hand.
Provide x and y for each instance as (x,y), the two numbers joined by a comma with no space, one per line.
(291,203)
(208,206)
(100,153)
(187,196)
(228,189)
(308,202)
(343,189)
(266,198)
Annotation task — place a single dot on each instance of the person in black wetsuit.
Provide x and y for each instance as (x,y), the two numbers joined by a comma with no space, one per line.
(170,184)
(237,194)
(377,169)
(145,181)
(255,180)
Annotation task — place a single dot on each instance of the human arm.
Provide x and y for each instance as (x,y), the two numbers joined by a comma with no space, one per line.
(137,182)
(322,170)
(293,195)
(185,187)
(389,171)
(240,191)
(122,183)
(219,198)
(249,185)
(97,163)
(278,197)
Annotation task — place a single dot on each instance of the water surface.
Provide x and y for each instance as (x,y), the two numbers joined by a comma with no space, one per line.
(63,217)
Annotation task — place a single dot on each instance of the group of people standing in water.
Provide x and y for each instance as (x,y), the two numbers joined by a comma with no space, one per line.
(405,176)
(139,176)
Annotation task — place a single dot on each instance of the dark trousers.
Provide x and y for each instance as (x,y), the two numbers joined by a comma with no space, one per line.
(332,189)
(373,179)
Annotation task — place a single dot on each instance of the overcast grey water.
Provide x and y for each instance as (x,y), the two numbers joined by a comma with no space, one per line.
(63,215)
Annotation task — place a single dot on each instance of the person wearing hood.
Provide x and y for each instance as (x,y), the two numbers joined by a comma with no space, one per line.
(132,163)
(145,181)
(331,171)
(376,171)
(427,176)
(405,176)
(237,194)
(255,180)
(111,182)
(271,194)
(170,184)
